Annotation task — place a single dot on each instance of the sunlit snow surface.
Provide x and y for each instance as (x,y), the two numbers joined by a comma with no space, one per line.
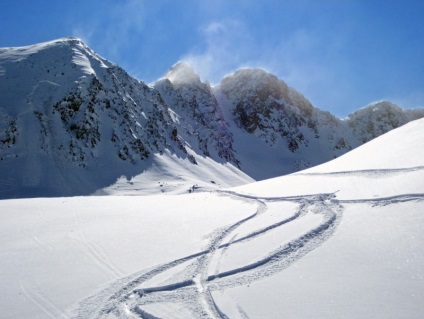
(341,240)
(50,89)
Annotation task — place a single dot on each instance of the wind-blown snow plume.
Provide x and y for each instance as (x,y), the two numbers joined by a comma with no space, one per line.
(222,50)
(113,38)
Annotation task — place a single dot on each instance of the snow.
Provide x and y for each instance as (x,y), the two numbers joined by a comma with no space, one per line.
(371,268)
(238,255)
(181,73)
(57,251)
(167,174)
(342,240)
(72,123)
(391,150)
(380,161)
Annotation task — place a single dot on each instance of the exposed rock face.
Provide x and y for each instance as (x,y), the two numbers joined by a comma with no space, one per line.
(196,109)
(261,102)
(65,109)
(379,118)
(264,106)
(70,119)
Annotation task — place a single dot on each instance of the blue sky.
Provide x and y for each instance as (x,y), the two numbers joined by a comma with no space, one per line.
(341,54)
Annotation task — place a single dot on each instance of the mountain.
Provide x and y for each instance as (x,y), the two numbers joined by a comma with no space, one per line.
(340,240)
(73,123)
(379,118)
(196,109)
(287,131)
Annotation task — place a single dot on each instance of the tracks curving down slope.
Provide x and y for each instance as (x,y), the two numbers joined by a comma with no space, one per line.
(252,248)
(193,278)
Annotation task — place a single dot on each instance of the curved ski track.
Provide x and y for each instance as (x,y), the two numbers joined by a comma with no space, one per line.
(193,286)
(367,172)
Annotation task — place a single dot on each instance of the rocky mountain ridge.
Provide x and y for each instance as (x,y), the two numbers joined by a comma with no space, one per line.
(72,123)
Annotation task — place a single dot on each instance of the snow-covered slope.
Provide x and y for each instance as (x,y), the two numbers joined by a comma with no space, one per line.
(342,240)
(287,132)
(276,129)
(73,123)
(379,118)
(197,112)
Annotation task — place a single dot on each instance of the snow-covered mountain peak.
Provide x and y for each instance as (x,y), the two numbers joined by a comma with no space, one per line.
(354,222)
(197,110)
(47,69)
(249,79)
(66,41)
(55,61)
(377,118)
(263,85)
(60,46)
(380,106)
(182,73)
(66,114)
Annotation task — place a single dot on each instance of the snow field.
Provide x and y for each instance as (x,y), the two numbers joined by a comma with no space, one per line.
(62,249)
(336,249)
(370,268)
(333,243)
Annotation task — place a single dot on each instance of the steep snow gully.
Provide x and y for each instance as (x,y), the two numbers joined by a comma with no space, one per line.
(188,283)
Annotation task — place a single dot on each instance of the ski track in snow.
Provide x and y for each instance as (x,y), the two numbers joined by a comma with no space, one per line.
(42,245)
(367,172)
(98,256)
(192,288)
(47,307)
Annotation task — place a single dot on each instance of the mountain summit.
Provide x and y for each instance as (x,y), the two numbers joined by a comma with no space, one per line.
(182,73)
(73,123)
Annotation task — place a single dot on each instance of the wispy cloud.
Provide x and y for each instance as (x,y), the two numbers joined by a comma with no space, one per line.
(113,26)
(300,58)
(223,50)
(306,62)
(409,100)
